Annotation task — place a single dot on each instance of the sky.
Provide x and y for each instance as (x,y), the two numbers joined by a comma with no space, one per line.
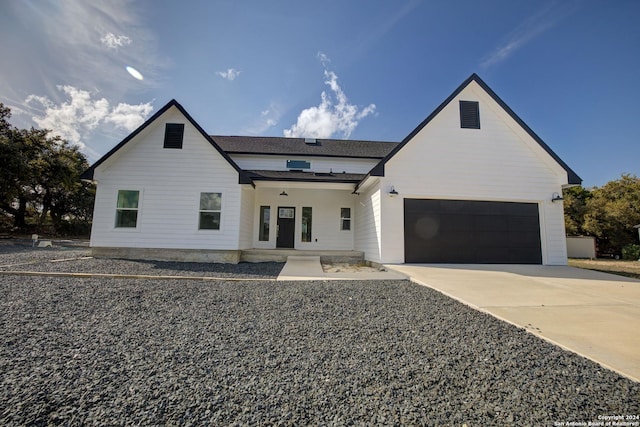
(92,72)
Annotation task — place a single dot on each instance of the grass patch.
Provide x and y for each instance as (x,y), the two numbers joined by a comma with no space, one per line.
(621,268)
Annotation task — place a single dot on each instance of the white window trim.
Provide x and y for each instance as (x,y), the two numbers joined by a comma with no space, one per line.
(208,230)
(137,228)
(343,218)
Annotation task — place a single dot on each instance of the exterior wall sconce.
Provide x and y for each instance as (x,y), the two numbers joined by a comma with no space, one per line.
(284,193)
(556,197)
(393,192)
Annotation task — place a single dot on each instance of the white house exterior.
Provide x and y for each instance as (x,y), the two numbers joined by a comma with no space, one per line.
(472,183)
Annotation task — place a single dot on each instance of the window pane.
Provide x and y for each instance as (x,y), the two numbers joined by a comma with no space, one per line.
(346,224)
(210,201)
(128,199)
(209,220)
(345,212)
(126,218)
(265,217)
(306,224)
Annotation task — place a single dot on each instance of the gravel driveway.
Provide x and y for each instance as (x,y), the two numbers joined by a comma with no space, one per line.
(176,352)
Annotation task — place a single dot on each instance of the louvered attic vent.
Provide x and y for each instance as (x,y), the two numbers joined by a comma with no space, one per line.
(173,134)
(469,114)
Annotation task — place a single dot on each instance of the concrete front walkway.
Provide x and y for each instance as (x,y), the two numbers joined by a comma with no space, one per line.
(305,267)
(594,314)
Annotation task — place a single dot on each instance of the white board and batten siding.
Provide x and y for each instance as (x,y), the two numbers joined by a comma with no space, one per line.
(170,182)
(498,162)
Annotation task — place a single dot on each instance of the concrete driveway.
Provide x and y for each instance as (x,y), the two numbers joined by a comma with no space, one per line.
(594,314)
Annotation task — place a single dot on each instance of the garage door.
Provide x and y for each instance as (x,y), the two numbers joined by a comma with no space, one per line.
(474,232)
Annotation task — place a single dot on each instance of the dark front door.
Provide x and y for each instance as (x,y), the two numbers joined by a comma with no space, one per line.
(286,227)
(474,232)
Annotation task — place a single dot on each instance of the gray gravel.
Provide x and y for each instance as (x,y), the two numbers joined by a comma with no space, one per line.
(73,260)
(171,352)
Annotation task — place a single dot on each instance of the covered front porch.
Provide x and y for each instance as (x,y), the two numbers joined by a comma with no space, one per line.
(307,217)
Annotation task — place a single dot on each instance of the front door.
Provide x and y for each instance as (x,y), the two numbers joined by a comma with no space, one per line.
(286,227)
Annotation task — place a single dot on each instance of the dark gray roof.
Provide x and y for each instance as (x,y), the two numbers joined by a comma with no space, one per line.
(265,175)
(297,146)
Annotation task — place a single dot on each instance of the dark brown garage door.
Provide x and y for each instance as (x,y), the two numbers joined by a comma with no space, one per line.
(474,232)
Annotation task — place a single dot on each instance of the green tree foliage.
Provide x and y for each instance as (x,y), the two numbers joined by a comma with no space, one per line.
(575,209)
(40,180)
(608,212)
(613,211)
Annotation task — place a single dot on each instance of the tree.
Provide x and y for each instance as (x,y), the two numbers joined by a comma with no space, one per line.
(40,178)
(613,210)
(575,209)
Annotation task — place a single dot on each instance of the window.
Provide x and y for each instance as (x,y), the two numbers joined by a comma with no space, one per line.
(306,224)
(127,209)
(265,217)
(173,133)
(345,218)
(469,114)
(210,208)
(298,164)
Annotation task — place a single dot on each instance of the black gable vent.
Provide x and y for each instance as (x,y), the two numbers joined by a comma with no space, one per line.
(469,115)
(173,133)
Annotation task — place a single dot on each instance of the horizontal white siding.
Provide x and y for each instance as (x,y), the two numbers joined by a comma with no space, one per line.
(325,204)
(246,217)
(554,233)
(498,162)
(368,225)
(170,182)
(318,164)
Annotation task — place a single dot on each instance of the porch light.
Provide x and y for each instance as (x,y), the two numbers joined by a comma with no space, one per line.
(393,192)
(555,197)
(284,193)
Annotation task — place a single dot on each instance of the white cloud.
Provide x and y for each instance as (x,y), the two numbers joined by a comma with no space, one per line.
(268,119)
(525,32)
(75,119)
(112,41)
(334,115)
(230,74)
(129,117)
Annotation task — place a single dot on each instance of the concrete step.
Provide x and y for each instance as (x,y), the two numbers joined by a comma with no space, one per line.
(281,255)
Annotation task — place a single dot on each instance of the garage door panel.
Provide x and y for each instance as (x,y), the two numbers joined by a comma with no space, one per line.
(455,231)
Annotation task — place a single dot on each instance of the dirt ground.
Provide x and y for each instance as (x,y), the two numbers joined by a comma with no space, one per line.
(346,267)
(623,268)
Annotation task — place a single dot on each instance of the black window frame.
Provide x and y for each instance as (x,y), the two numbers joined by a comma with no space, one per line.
(173,135)
(469,115)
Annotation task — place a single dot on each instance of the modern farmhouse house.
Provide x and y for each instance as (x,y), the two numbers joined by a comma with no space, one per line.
(471,184)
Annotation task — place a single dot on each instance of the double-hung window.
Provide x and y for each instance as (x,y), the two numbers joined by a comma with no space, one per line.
(210,211)
(127,209)
(345,218)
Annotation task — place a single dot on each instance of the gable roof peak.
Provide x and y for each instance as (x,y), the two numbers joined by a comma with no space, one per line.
(378,170)
(242,177)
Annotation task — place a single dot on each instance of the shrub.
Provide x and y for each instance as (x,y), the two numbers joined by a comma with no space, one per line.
(631,252)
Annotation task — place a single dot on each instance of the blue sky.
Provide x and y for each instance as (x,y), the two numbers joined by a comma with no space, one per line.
(355,69)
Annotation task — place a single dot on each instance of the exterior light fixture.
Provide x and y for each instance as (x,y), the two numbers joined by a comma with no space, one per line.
(556,197)
(284,193)
(393,192)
